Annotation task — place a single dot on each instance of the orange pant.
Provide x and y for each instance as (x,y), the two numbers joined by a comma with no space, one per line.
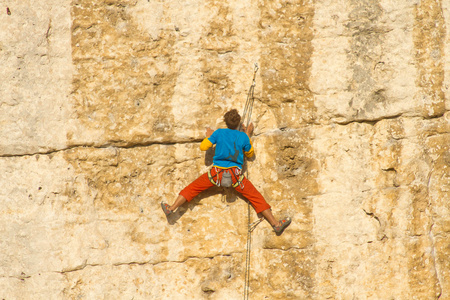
(248,191)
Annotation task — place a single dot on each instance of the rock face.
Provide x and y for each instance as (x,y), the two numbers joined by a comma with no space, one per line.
(103,104)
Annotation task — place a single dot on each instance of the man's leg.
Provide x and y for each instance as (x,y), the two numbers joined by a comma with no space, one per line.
(178,202)
(270,218)
(257,200)
(188,193)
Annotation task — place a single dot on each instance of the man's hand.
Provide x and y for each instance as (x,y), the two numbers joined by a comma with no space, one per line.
(249,129)
(209,132)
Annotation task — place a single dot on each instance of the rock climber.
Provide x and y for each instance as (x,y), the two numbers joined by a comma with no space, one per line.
(231,146)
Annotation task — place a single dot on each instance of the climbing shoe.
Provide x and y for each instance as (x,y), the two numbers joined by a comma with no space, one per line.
(165,208)
(283,224)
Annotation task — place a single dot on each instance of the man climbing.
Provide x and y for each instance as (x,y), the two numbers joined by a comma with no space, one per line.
(231,146)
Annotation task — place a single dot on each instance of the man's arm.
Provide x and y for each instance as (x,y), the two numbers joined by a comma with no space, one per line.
(250,152)
(249,130)
(209,132)
(206,144)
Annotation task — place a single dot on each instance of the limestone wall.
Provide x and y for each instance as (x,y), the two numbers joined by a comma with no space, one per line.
(103,105)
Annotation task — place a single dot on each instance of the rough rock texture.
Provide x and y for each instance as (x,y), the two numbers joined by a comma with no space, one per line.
(103,104)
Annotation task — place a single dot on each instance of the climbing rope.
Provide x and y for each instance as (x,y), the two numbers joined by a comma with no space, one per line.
(246,116)
(251,227)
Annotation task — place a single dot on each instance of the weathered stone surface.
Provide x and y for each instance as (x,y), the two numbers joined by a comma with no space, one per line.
(35,76)
(103,105)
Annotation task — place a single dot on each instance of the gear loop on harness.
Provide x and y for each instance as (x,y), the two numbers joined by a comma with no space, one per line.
(237,176)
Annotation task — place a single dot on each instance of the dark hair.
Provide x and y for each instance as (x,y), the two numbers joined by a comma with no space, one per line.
(232,119)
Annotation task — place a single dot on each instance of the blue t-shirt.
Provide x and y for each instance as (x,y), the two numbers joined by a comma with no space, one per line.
(230,147)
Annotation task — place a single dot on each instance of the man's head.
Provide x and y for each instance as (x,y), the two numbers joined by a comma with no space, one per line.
(232,119)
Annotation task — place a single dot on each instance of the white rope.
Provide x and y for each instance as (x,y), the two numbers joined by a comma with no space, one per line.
(250,226)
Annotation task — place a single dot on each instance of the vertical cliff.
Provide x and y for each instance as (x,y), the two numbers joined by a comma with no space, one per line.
(103,105)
